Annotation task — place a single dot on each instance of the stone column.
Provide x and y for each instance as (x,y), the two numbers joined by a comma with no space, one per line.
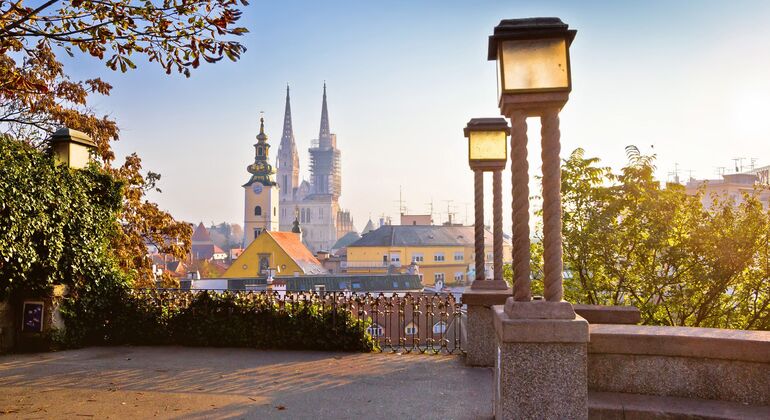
(480,347)
(483,294)
(541,345)
(478,225)
(520,206)
(540,365)
(497,223)
(552,250)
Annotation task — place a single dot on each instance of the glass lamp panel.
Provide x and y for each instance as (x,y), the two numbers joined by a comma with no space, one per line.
(488,145)
(534,64)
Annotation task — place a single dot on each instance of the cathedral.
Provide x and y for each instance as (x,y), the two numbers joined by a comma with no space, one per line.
(314,203)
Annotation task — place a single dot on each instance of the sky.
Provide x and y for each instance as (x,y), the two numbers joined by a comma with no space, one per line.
(687,81)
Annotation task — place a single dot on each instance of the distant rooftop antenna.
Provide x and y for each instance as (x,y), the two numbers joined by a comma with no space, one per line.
(675,173)
(720,170)
(401,204)
(738,164)
(753,163)
(449,211)
(431,209)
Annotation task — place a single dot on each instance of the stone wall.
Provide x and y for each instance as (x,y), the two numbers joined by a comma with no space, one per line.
(704,363)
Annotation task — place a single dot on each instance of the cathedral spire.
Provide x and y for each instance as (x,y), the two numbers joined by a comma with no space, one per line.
(287,139)
(325,132)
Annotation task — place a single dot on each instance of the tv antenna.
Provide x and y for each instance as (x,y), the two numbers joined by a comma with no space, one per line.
(675,173)
(738,164)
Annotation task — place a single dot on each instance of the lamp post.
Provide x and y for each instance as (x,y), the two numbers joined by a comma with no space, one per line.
(72,147)
(537,339)
(488,151)
(534,79)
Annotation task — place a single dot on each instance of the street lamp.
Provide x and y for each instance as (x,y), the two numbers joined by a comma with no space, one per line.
(541,340)
(532,56)
(488,151)
(72,147)
(534,79)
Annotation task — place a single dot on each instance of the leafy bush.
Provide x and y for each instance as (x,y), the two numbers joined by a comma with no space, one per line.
(120,316)
(55,223)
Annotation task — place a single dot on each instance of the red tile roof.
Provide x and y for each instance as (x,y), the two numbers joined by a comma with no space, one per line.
(201,234)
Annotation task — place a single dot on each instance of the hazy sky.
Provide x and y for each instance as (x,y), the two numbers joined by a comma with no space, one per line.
(689,81)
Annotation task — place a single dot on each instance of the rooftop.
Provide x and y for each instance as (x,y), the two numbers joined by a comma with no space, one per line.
(420,235)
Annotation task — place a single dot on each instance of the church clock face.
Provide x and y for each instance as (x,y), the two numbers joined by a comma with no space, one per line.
(257,188)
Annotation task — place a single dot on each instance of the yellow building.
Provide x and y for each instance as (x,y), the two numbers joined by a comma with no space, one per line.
(279,251)
(442,254)
(261,192)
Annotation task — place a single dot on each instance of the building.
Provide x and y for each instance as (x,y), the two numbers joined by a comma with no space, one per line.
(416,219)
(732,186)
(443,255)
(314,203)
(281,252)
(203,248)
(260,192)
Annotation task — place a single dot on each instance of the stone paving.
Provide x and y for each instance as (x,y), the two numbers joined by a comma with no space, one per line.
(192,383)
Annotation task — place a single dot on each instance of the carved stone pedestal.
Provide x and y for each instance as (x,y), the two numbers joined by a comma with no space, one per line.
(540,365)
(480,347)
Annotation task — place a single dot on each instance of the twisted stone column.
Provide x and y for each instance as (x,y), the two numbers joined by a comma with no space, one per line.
(520,207)
(552,250)
(478,225)
(497,222)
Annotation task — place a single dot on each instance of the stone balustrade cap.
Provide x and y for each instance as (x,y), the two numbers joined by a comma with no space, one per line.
(712,343)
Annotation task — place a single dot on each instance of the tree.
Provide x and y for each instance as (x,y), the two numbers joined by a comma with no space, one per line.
(628,241)
(37,96)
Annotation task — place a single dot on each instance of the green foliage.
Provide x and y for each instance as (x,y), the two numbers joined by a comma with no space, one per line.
(55,223)
(628,241)
(117,316)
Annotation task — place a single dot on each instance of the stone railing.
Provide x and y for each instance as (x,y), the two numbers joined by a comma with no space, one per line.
(730,366)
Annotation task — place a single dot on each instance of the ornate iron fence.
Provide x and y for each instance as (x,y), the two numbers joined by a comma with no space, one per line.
(421,323)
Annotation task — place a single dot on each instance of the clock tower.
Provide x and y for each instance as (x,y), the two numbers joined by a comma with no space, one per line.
(261,192)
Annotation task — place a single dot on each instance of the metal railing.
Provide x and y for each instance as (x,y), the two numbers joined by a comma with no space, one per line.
(422,323)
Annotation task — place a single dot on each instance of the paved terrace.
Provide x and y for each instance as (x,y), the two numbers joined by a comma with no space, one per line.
(192,383)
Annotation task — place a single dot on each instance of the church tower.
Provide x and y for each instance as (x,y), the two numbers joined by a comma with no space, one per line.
(261,192)
(288,158)
(325,177)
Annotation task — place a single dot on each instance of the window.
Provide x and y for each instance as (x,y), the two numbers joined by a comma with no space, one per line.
(411,329)
(259,151)
(439,327)
(274,210)
(438,277)
(490,257)
(258,211)
(459,276)
(459,256)
(417,258)
(438,257)
(376,330)
(356,285)
(285,183)
(395,257)
(257,231)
